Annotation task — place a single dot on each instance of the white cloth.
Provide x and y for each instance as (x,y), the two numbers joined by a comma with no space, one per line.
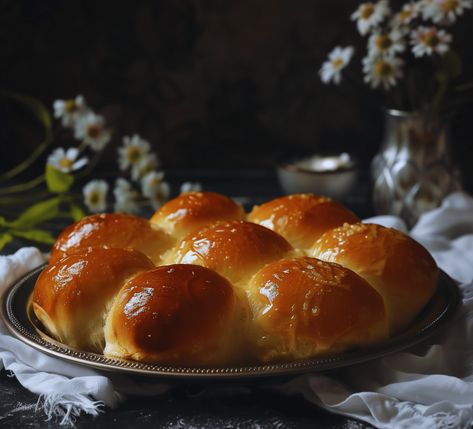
(429,386)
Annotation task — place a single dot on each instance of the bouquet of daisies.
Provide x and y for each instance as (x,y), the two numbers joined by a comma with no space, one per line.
(409,53)
(49,197)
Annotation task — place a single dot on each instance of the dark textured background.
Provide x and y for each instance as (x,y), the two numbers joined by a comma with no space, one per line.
(211,83)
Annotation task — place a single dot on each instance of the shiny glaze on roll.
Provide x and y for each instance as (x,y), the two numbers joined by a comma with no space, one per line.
(235,249)
(111,230)
(179,314)
(303,307)
(71,297)
(397,266)
(301,218)
(192,210)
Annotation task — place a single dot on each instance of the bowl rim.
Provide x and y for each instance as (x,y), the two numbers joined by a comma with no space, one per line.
(292,166)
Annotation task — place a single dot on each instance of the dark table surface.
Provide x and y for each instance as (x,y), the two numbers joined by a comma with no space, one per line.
(196,406)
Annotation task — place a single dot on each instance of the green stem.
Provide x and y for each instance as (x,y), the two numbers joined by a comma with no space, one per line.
(48,135)
(23,186)
(86,171)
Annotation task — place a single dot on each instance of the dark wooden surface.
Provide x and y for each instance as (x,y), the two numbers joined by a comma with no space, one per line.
(191,406)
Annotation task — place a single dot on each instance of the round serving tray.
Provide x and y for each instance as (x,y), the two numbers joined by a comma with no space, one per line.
(21,322)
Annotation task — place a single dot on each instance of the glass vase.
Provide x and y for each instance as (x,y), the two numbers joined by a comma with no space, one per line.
(413,170)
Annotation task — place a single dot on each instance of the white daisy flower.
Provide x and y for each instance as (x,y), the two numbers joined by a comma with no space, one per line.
(150,181)
(338,59)
(160,195)
(126,198)
(383,71)
(149,163)
(408,13)
(386,44)
(70,111)
(430,40)
(191,187)
(445,11)
(66,161)
(91,130)
(95,195)
(369,15)
(133,150)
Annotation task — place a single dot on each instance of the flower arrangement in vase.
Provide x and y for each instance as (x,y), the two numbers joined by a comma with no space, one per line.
(411,57)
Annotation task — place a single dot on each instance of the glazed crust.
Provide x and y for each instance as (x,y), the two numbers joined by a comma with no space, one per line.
(235,249)
(304,307)
(112,230)
(398,267)
(193,210)
(301,218)
(179,314)
(71,297)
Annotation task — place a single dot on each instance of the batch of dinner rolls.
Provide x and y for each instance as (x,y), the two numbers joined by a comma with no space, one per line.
(202,283)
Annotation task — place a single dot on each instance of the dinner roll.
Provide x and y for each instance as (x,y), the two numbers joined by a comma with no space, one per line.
(192,210)
(301,218)
(304,307)
(235,249)
(111,230)
(398,267)
(71,297)
(176,314)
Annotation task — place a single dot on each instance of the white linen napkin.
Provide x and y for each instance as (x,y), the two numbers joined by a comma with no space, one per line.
(429,386)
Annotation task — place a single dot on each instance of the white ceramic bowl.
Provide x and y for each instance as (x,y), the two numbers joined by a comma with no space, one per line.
(333,175)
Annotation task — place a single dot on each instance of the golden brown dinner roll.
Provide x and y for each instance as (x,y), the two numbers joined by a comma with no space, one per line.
(192,210)
(304,307)
(112,230)
(235,249)
(398,267)
(301,218)
(176,314)
(71,297)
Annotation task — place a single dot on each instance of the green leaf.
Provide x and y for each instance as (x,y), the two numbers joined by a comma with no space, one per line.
(76,212)
(37,235)
(3,221)
(5,238)
(57,181)
(37,213)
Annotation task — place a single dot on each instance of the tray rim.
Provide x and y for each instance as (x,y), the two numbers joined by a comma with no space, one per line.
(29,335)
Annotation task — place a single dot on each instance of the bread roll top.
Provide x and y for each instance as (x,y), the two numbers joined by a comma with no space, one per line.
(301,218)
(304,307)
(398,267)
(235,249)
(71,297)
(176,314)
(111,230)
(192,210)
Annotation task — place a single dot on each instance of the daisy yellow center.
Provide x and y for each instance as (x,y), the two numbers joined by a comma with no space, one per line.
(337,63)
(66,163)
(70,106)
(94,198)
(405,15)
(134,154)
(366,10)
(383,42)
(450,5)
(383,69)
(430,39)
(93,131)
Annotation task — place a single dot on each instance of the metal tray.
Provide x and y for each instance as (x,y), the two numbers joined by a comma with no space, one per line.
(21,322)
